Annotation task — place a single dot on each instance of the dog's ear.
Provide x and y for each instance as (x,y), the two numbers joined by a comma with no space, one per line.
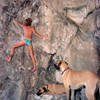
(45,89)
(66,63)
(59,63)
(39,93)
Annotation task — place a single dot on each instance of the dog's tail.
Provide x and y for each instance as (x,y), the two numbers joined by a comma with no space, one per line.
(97,91)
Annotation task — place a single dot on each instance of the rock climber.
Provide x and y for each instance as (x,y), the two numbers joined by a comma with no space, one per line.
(28,30)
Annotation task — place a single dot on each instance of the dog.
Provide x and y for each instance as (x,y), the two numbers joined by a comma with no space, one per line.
(77,78)
(51,89)
(75,93)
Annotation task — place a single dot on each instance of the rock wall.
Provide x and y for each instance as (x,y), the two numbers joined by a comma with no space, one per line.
(73,29)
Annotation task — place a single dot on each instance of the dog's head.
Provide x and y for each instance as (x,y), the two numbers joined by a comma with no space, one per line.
(42,90)
(61,65)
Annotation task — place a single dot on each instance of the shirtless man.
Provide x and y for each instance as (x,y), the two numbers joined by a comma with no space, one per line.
(28,29)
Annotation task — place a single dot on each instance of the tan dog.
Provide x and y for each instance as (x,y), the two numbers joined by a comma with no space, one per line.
(77,78)
(51,89)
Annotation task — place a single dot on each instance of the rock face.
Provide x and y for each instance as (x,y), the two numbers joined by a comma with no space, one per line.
(73,29)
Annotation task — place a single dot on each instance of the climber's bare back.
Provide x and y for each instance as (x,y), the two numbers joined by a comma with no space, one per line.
(28,32)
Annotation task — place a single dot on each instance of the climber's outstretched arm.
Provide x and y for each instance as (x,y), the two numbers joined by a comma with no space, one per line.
(37,34)
(21,25)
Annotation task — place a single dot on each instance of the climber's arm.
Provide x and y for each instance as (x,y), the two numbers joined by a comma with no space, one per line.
(21,25)
(37,34)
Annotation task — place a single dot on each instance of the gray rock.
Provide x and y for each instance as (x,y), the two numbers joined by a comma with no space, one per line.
(73,29)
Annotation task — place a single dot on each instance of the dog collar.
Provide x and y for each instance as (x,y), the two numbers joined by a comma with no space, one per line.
(64,70)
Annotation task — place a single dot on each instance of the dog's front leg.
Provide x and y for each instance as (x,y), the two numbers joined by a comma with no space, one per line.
(72,94)
(68,93)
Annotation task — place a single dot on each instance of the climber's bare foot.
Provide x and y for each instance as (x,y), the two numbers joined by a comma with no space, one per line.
(34,69)
(8,58)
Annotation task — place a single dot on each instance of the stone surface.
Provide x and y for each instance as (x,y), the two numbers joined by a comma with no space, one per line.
(73,29)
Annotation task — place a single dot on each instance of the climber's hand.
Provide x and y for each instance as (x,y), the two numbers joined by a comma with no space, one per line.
(44,36)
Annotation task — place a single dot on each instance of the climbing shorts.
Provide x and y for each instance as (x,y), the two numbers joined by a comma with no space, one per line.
(27,42)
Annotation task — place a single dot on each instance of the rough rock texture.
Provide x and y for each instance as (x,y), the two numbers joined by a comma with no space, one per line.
(73,28)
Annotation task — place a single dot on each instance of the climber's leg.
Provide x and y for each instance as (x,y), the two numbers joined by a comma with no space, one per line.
(16,45)
(32,56)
